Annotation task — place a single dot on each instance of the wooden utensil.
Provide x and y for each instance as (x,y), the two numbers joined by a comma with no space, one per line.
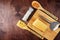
(37,5)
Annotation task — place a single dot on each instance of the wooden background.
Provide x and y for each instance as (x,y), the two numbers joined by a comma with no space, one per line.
(13,10)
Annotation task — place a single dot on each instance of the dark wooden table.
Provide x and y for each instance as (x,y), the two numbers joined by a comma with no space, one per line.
(13,10)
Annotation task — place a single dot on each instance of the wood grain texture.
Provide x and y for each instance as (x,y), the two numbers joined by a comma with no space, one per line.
(13,10)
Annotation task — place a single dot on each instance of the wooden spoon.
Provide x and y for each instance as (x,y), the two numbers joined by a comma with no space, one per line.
(37,5)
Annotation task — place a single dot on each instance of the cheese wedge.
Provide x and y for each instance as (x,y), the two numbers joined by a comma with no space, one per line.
(40,25)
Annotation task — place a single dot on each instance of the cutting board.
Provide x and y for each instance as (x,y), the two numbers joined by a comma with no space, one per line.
(46,31)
